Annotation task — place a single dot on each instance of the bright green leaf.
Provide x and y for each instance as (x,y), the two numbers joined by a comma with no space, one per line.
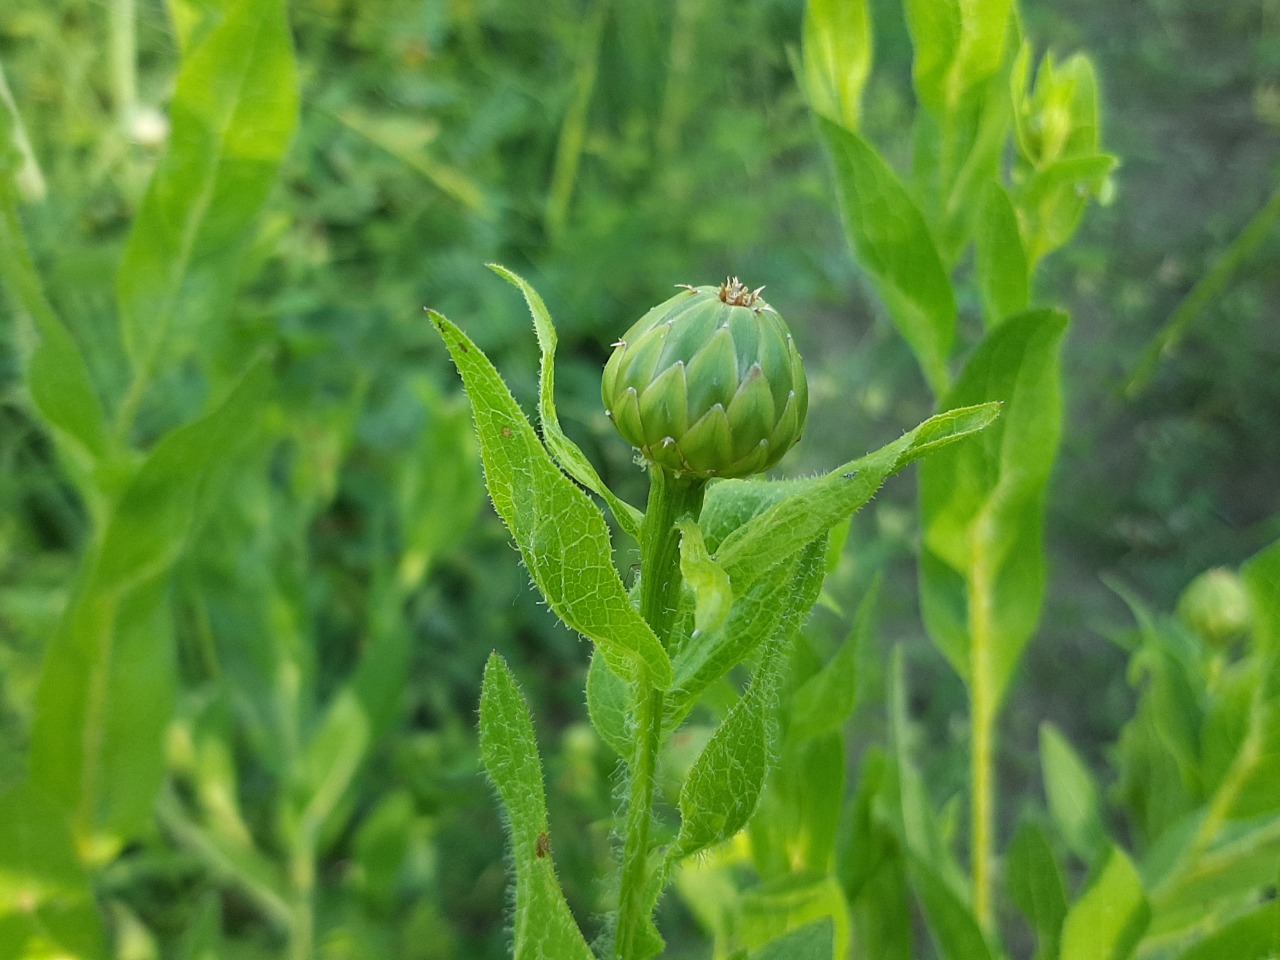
(723,786)
(1004,274)
(544,928)
(561,535)
(797,902)
(712,592)
(982,505)
(837,58)
(234,110)
(813,507)
(108,684)
(773,609)
(1110,917)
(571,459)
(1072,794)
(814,941)
(47,905)
(891,241)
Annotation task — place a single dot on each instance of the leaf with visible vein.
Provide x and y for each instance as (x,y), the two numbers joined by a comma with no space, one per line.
(815,506)
(982,504)
(567,453)
(108,683)
(561,535)
(234,110)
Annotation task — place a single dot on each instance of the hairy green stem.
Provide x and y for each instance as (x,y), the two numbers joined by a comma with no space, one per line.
(669,500)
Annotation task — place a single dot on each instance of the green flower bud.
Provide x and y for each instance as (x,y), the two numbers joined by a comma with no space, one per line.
(1216,606)
(708,384)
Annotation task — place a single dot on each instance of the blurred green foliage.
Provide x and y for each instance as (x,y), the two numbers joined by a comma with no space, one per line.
(330,601)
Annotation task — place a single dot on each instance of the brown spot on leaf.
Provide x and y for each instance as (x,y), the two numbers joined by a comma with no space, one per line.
(543,845)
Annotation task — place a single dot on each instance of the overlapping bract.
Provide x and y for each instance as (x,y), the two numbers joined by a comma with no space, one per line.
(708,384)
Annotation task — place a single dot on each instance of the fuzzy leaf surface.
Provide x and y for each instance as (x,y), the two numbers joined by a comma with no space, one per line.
(813,507)
(561,535)
(567,453)
(544,927)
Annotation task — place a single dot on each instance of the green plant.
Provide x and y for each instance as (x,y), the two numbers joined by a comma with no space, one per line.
(982,504)
(752,555)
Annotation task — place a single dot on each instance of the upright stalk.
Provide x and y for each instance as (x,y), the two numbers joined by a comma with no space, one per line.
(669,500)
(982,707)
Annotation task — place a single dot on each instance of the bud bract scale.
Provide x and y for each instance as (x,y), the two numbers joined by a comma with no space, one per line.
(708,384)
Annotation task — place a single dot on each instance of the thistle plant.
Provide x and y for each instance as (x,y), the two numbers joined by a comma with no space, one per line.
(709,387)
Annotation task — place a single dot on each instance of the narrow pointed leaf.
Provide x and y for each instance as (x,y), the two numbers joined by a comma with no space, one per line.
(567,453)
(813,507)
(544,927)
(108,683)
(561,535)
(1003,271)
(712,592)
(892,242)
(234,110)
(1108,920)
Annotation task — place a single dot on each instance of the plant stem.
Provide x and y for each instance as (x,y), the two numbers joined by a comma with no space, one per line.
(669,500)
(1207,288)
(982,708)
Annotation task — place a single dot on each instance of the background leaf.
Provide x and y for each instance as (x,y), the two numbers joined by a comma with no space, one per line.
(982,503)
(234,111)
(1108,920)
(1072,795)
(891,241)
(108,683)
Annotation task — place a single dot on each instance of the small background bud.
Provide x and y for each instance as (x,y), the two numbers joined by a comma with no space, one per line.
(1216,606)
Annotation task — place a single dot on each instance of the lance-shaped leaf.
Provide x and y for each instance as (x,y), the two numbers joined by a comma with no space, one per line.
(957,44)
(1072,794)
(561,535)
(1004,274)
(773,609)
(234,110)
(57,375)
(108,683)
(891,241)
(544,927)
(567,453)
(812,507)
(1108,920)
(723,786)
(837,58)
(982,505)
